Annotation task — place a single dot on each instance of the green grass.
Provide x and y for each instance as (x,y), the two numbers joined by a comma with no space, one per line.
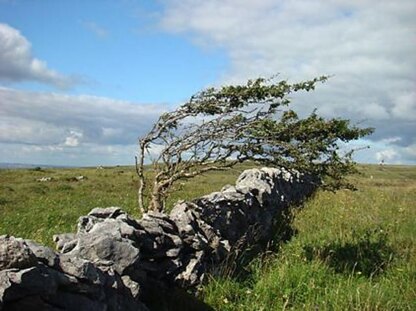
(351,251)
(37,210)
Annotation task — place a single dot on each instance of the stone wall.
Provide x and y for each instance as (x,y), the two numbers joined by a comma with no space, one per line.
(113,261)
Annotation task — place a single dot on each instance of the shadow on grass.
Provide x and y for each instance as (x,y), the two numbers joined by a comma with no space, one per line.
(367,254)
(172,299)
(237,264)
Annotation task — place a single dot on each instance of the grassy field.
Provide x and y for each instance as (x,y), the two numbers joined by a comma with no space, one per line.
(351,250)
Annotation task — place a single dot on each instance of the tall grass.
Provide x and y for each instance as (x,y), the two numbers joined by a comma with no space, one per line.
(351,251)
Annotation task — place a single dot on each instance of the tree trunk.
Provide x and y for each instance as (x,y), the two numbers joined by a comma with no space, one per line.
(140,173)
(156,203)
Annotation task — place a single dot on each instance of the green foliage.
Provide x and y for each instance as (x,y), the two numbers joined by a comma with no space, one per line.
(220,127)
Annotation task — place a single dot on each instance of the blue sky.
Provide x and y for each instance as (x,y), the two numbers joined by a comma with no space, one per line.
(113,48)
(81,80)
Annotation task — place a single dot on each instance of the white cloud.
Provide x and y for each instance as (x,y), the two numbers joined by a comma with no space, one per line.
(27,131)
(373,110)
(96,29)
(390,149)
(405,106)
(17,63)
(56,128)
(387,155)
(73,140)
(88,155)
(369,47)
(409,153)
(390,140)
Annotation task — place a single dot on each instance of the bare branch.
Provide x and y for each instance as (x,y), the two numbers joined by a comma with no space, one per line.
(218,128)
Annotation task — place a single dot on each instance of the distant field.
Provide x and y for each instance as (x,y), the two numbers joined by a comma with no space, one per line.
(36,210)
(351,250)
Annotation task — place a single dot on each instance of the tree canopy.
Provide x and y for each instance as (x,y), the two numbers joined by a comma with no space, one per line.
(220,127)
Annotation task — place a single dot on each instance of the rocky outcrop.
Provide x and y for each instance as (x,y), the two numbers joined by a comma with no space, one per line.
(113,261)
(37,278)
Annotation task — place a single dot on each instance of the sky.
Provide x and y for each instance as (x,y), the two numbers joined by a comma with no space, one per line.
(80,81)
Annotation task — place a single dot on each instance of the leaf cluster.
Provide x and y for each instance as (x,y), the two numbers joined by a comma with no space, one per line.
(220,127)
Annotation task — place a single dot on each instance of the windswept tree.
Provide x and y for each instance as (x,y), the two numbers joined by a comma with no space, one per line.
(220,127)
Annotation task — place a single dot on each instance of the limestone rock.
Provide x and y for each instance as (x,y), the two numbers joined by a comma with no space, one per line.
(106,249)
(15,253)
(113,260)
(65,242)
(43,254)
(86,288)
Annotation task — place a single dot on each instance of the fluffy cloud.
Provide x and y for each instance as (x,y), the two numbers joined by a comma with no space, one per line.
(73,140)
(387,155)
(17,63)
(369,47)
(394,154)
(55,128)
